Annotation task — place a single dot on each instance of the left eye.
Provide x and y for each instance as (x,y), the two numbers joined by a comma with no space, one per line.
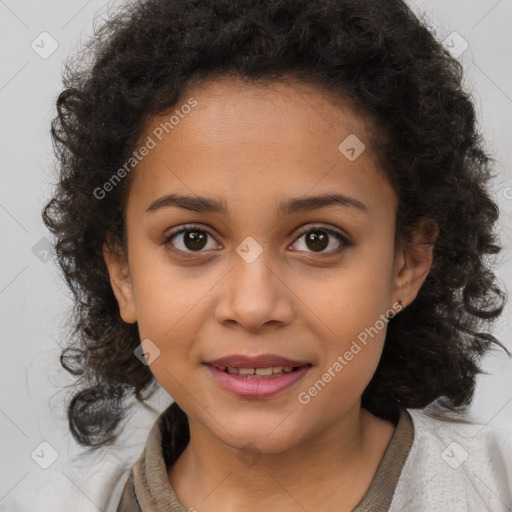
(318,239)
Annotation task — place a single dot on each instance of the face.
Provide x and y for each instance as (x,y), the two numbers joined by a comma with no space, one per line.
(248,263)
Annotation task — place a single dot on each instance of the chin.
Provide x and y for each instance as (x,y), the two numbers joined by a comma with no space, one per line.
(259,438)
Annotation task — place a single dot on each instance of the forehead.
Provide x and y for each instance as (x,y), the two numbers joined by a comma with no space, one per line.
(254,142)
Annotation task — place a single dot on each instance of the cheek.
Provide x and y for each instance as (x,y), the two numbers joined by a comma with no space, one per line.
(350,298)
(168,312)
(350,314)
(351,354)
(167,296)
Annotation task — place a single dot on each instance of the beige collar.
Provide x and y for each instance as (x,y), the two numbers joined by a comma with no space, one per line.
(148,488)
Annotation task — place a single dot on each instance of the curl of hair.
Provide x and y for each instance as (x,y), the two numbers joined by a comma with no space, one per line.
(377,55)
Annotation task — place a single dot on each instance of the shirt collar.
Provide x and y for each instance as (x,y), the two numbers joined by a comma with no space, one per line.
(148,488)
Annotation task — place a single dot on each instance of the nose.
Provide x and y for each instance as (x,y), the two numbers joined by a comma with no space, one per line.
(254,295)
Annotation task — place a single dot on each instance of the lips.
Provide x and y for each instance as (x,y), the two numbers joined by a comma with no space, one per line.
(257,377)
(261,361)
(255,387)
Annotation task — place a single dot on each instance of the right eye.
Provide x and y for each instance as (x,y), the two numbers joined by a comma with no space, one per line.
(189,239)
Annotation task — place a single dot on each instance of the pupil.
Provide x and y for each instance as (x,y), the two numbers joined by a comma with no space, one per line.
(320,238)
(195,240)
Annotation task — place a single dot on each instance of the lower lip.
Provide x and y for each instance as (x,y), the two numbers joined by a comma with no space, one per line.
(256,388)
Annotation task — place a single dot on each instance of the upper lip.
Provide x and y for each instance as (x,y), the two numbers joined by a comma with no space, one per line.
(261,361)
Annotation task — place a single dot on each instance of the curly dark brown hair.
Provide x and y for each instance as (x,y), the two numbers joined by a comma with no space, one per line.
(382,58)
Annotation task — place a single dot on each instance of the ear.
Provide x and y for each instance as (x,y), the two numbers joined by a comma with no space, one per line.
(413,260)
(120,280)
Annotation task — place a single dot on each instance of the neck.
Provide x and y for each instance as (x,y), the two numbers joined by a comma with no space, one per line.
(211,475)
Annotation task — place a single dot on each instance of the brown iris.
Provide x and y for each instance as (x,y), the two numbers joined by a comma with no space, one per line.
(194,240)
(317,240)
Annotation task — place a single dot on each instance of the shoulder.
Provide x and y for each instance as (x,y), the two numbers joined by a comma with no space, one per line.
(455,467)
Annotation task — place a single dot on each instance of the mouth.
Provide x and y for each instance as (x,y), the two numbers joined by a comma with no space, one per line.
(266,361)
(270,372)
(261,377)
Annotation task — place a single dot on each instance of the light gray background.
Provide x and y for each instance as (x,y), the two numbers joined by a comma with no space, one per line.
(34,301)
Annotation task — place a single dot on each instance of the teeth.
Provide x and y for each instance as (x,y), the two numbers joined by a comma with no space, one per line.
(261,372)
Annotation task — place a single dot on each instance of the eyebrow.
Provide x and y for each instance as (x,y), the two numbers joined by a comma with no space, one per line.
(288,207)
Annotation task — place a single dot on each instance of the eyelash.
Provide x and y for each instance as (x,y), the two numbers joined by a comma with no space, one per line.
(344,242)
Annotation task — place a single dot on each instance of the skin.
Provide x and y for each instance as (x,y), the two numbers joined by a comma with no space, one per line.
(253,146)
